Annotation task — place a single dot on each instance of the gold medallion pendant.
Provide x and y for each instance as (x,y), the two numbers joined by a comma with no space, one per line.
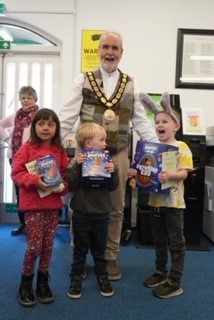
(101,96)
(109,115)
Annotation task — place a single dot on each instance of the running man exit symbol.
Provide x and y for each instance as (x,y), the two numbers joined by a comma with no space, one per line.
(5,44)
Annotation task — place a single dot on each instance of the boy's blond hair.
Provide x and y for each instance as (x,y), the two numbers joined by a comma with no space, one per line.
(87,131)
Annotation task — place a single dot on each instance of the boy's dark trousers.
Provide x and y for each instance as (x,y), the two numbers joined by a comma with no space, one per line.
(167,228)
(89,232)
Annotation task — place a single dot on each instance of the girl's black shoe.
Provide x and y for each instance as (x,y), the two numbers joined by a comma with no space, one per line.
(43,290)
(25,293)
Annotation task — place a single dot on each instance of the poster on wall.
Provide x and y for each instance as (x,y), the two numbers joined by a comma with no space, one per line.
(89,50)
(193,121)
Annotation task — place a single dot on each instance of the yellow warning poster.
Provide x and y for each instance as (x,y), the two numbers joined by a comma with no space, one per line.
(89,51)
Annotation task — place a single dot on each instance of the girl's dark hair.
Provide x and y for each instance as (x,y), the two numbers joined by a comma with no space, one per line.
(45,114)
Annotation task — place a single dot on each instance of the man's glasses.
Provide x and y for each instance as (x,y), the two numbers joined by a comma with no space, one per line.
(107,47)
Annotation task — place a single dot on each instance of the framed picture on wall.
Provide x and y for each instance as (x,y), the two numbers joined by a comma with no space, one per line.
(195,59)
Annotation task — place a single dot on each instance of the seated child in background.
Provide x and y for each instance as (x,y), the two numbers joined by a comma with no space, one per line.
(91,207)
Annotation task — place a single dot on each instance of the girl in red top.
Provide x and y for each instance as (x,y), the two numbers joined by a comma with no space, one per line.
(41,213)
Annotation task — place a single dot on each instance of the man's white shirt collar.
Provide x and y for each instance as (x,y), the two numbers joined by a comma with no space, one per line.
(109,75)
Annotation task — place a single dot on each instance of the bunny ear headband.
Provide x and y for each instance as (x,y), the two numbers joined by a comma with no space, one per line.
(149,104)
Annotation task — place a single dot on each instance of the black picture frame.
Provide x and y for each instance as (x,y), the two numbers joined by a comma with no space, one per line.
(195,59)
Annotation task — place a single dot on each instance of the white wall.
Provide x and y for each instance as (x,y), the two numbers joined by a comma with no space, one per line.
(149,29)
(57,18)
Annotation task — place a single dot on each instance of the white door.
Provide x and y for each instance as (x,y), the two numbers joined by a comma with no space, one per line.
(42,72)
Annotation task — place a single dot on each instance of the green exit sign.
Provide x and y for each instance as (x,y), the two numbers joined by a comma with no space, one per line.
(5,44)
(11,207)
(2,8)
